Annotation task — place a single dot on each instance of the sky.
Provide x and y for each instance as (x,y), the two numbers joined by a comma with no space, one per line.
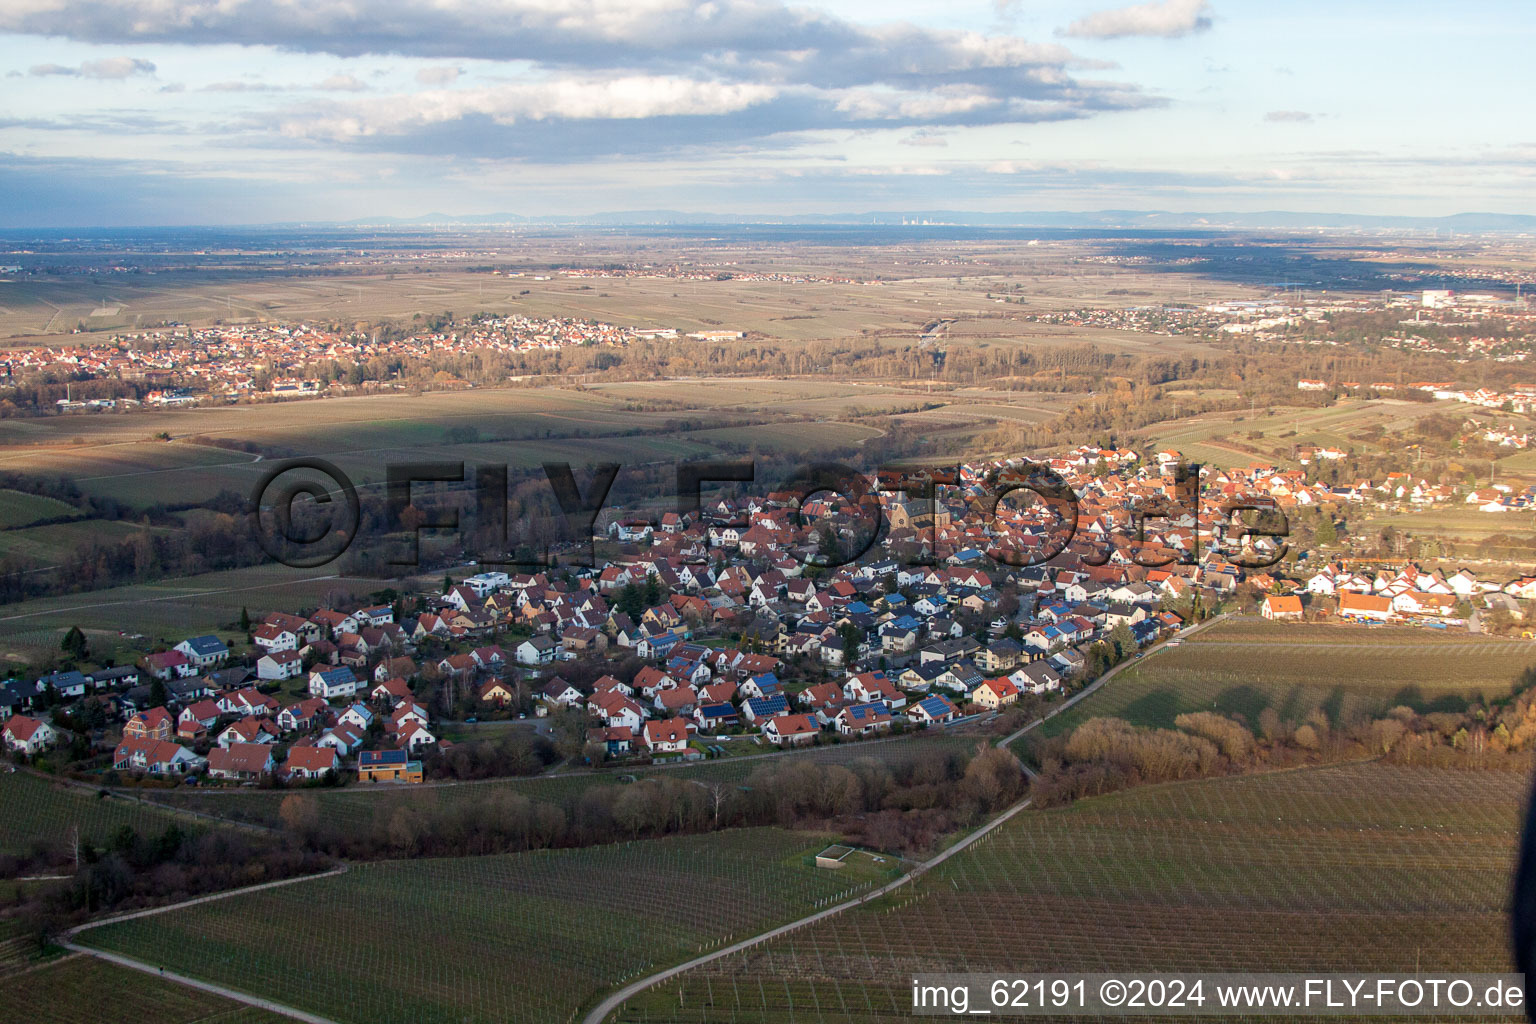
(170,112)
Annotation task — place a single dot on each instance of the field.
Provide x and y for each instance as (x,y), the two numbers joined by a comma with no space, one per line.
(361,806)
(170,610)
(1225,439)
(19,509)
(38,812)
(116,456)
(522,937)
(84,990)
(1460,521)
(1246,665)
(1363,867)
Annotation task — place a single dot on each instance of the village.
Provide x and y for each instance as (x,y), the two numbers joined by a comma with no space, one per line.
(178,365)
(726,631)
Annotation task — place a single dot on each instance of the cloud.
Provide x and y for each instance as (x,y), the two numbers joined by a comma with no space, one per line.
(342,83)
(1167,19)
(755,40)
(1288,116)
(749,73)
(925,137)
(240,87)
(628,98)
(108,68)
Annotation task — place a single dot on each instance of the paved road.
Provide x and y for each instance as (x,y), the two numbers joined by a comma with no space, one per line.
(68,942)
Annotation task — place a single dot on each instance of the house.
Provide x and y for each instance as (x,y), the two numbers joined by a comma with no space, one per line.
(615,709)
(1414,602)
(413,736)
(1040,676)
(757,709)
(310,762)
(666,736)
(157,757)
(407,712)
(284,664)
(389,690)
(247,701)
(196,719)
(343,739)
(651,681)
(248,730)
(400,667)
(790,730)
(333,683)
(615,738)
(121,677)
(994,694)
(204,652)
(677,700)
(301,716)
(561,693)
(491,658)
(863,719)
(1281,606)
(537,650)
(872,686)
(821,696)
(714,717)
(168,665)
(270,637)
(359,716)
(387,766)
(26,735)
(154,724)
(498,693)
(242,761)
(932,710)
(66,684)
(1365,607)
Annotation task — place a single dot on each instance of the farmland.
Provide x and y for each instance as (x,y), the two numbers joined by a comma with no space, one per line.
(1243,666)
(42,813)
(84,990)
(151,612)
(116,456)
(1362,867)
(520,937)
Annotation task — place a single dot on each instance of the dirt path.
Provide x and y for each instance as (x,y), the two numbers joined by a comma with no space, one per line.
(600,1012)
(68,942)
(612,1002)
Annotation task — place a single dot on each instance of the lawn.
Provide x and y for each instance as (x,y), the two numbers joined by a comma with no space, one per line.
(1245,665)
(520,937)
(84,990)
(1364,867)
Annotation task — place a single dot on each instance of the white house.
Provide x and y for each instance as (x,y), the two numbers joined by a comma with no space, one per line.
(27,735)
(284,664)
(332,684)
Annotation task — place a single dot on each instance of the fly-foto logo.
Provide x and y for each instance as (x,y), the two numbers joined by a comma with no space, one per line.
(307,513)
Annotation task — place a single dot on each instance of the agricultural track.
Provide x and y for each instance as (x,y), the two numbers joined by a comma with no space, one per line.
(613,1002)
(68,942)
